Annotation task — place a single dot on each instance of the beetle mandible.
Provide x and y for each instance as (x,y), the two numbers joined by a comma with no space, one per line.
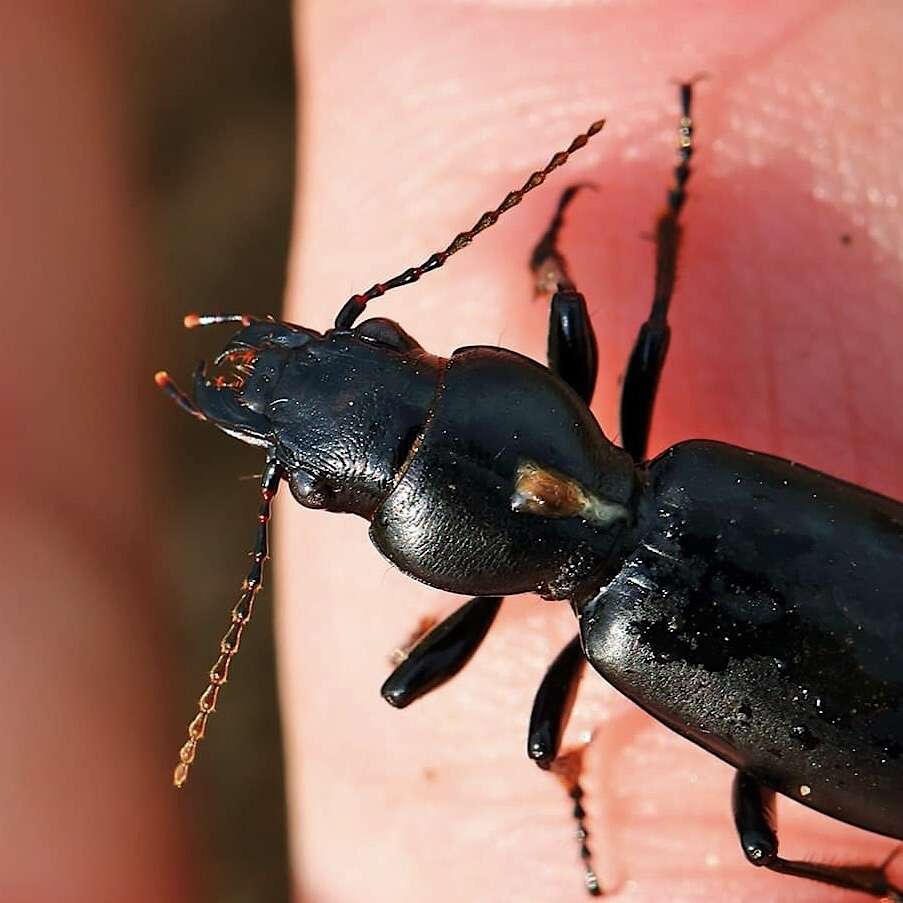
(762,636)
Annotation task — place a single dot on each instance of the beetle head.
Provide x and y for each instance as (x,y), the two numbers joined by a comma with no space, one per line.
(341,409)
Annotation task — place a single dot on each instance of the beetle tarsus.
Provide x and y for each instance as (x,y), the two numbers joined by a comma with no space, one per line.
(568,767)
(547,263)
(647,360)
(754,817)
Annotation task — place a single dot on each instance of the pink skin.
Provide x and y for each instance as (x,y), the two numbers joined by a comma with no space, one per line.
(417,117)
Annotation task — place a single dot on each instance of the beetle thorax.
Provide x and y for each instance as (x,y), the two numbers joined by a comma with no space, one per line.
(513,488)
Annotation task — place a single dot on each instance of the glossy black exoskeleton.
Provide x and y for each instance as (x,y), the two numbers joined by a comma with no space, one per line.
(747,602)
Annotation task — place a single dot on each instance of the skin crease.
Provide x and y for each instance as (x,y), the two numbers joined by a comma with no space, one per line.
(787,324)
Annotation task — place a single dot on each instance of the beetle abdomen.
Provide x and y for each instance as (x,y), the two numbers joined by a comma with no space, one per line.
(761,616)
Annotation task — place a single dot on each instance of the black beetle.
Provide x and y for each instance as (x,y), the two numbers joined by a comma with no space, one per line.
(745,601)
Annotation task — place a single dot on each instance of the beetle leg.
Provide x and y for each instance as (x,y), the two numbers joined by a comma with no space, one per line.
(753,807)
(551,709)
(572,354)
(572,350)
(553,702)
(651,347)
(442,652)
(572,343)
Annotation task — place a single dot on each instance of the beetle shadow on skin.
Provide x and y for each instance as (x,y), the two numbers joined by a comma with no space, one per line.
(786,324)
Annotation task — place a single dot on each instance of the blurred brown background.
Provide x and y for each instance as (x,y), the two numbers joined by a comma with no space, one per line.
(215,89)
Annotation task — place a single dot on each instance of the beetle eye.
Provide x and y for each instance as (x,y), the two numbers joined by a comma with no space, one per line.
(310,491)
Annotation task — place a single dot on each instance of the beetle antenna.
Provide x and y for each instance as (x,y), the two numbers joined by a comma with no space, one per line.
(355,305)
(192,321)
(241,615)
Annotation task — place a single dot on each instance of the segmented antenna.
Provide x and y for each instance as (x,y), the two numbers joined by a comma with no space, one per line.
(355,305)
(230,642)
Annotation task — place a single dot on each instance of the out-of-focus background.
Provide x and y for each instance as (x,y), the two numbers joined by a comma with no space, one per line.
(214,88)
